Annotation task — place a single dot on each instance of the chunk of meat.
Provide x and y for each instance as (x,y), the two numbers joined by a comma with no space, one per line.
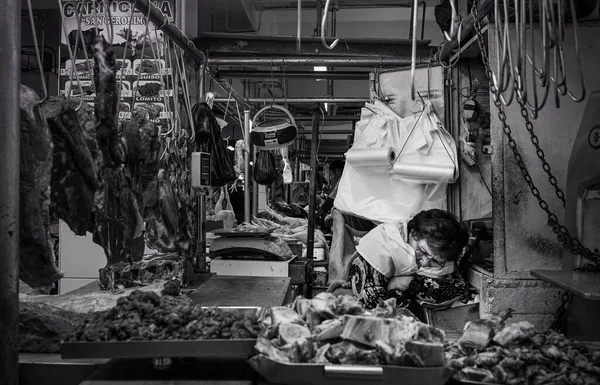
(37,265)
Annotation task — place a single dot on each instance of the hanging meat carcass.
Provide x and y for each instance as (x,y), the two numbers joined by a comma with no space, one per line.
(37,265)
(118,221)
(161,214)
(74,168)
(106,104)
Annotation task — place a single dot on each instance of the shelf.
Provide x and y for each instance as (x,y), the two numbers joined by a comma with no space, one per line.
(585,285)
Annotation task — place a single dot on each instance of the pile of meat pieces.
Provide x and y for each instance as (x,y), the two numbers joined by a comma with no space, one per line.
(491,352)
(337,330)
(145,316)
(78,165)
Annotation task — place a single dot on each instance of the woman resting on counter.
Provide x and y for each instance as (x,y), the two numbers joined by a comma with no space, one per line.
(399,259)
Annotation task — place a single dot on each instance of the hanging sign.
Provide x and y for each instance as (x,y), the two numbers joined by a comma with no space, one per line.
(143,70)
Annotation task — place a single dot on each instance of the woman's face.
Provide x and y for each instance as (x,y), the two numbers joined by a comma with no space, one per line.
(425,256)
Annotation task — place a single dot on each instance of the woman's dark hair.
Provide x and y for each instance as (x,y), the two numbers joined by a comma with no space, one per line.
(337,164)
(444,233)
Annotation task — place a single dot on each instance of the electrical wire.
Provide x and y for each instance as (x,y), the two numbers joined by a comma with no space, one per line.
(483,179)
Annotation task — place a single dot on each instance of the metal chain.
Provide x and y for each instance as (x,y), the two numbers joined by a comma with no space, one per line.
(539,152)
(560,318)
(569,242)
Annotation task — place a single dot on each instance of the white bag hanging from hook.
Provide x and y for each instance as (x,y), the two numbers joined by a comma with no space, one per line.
(209,99)
(288,176)
(375,194)
(226,214)
(433,161)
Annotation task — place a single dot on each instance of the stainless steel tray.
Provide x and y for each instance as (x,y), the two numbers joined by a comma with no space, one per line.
(209,349)
(469,382)
(241,234)
(318,374)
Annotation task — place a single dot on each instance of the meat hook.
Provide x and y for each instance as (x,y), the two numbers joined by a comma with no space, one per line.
(127,38)
(323,24)
(299,29)
(110,31)
(505,66)
(82,39)
(413,60)
(70,50)
(137,81)
(520,72)
(37,53)
(559,63)
(156,54)
(536,106)
(563,89)
(186,95)
(453,23)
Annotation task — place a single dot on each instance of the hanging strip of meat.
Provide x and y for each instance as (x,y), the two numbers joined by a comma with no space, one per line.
(74,172)
(37,265)
(120,204)
(106,104)
(118,217)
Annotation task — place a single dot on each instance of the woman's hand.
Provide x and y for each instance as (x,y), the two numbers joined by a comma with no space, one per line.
(399,283)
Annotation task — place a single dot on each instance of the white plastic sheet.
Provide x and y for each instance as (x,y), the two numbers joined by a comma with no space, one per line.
(373,193)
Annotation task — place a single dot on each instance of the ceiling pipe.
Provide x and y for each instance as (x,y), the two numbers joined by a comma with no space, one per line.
(326,132)
(300,100)
(348,61)
(337,75)
(337,118)
(314,5)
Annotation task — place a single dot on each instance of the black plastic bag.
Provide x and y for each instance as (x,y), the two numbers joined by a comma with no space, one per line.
(221,163)
(200,116)
(265,171)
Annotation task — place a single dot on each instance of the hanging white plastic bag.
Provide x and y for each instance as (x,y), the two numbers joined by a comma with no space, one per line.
(221,122)
(224,210)
(239,165)
(373,193)
(430,158)
(209,98)
(288,177)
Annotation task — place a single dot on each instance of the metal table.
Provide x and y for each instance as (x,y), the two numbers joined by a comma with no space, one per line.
(583,303)
(585,285)
(185,372)
(222,290)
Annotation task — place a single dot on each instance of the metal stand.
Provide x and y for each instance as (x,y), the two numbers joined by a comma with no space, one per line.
(247,155)
(201,248)
(254,187)
(312,198)
(10,48)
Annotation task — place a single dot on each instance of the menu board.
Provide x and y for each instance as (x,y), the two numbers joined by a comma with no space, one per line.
(144,73)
